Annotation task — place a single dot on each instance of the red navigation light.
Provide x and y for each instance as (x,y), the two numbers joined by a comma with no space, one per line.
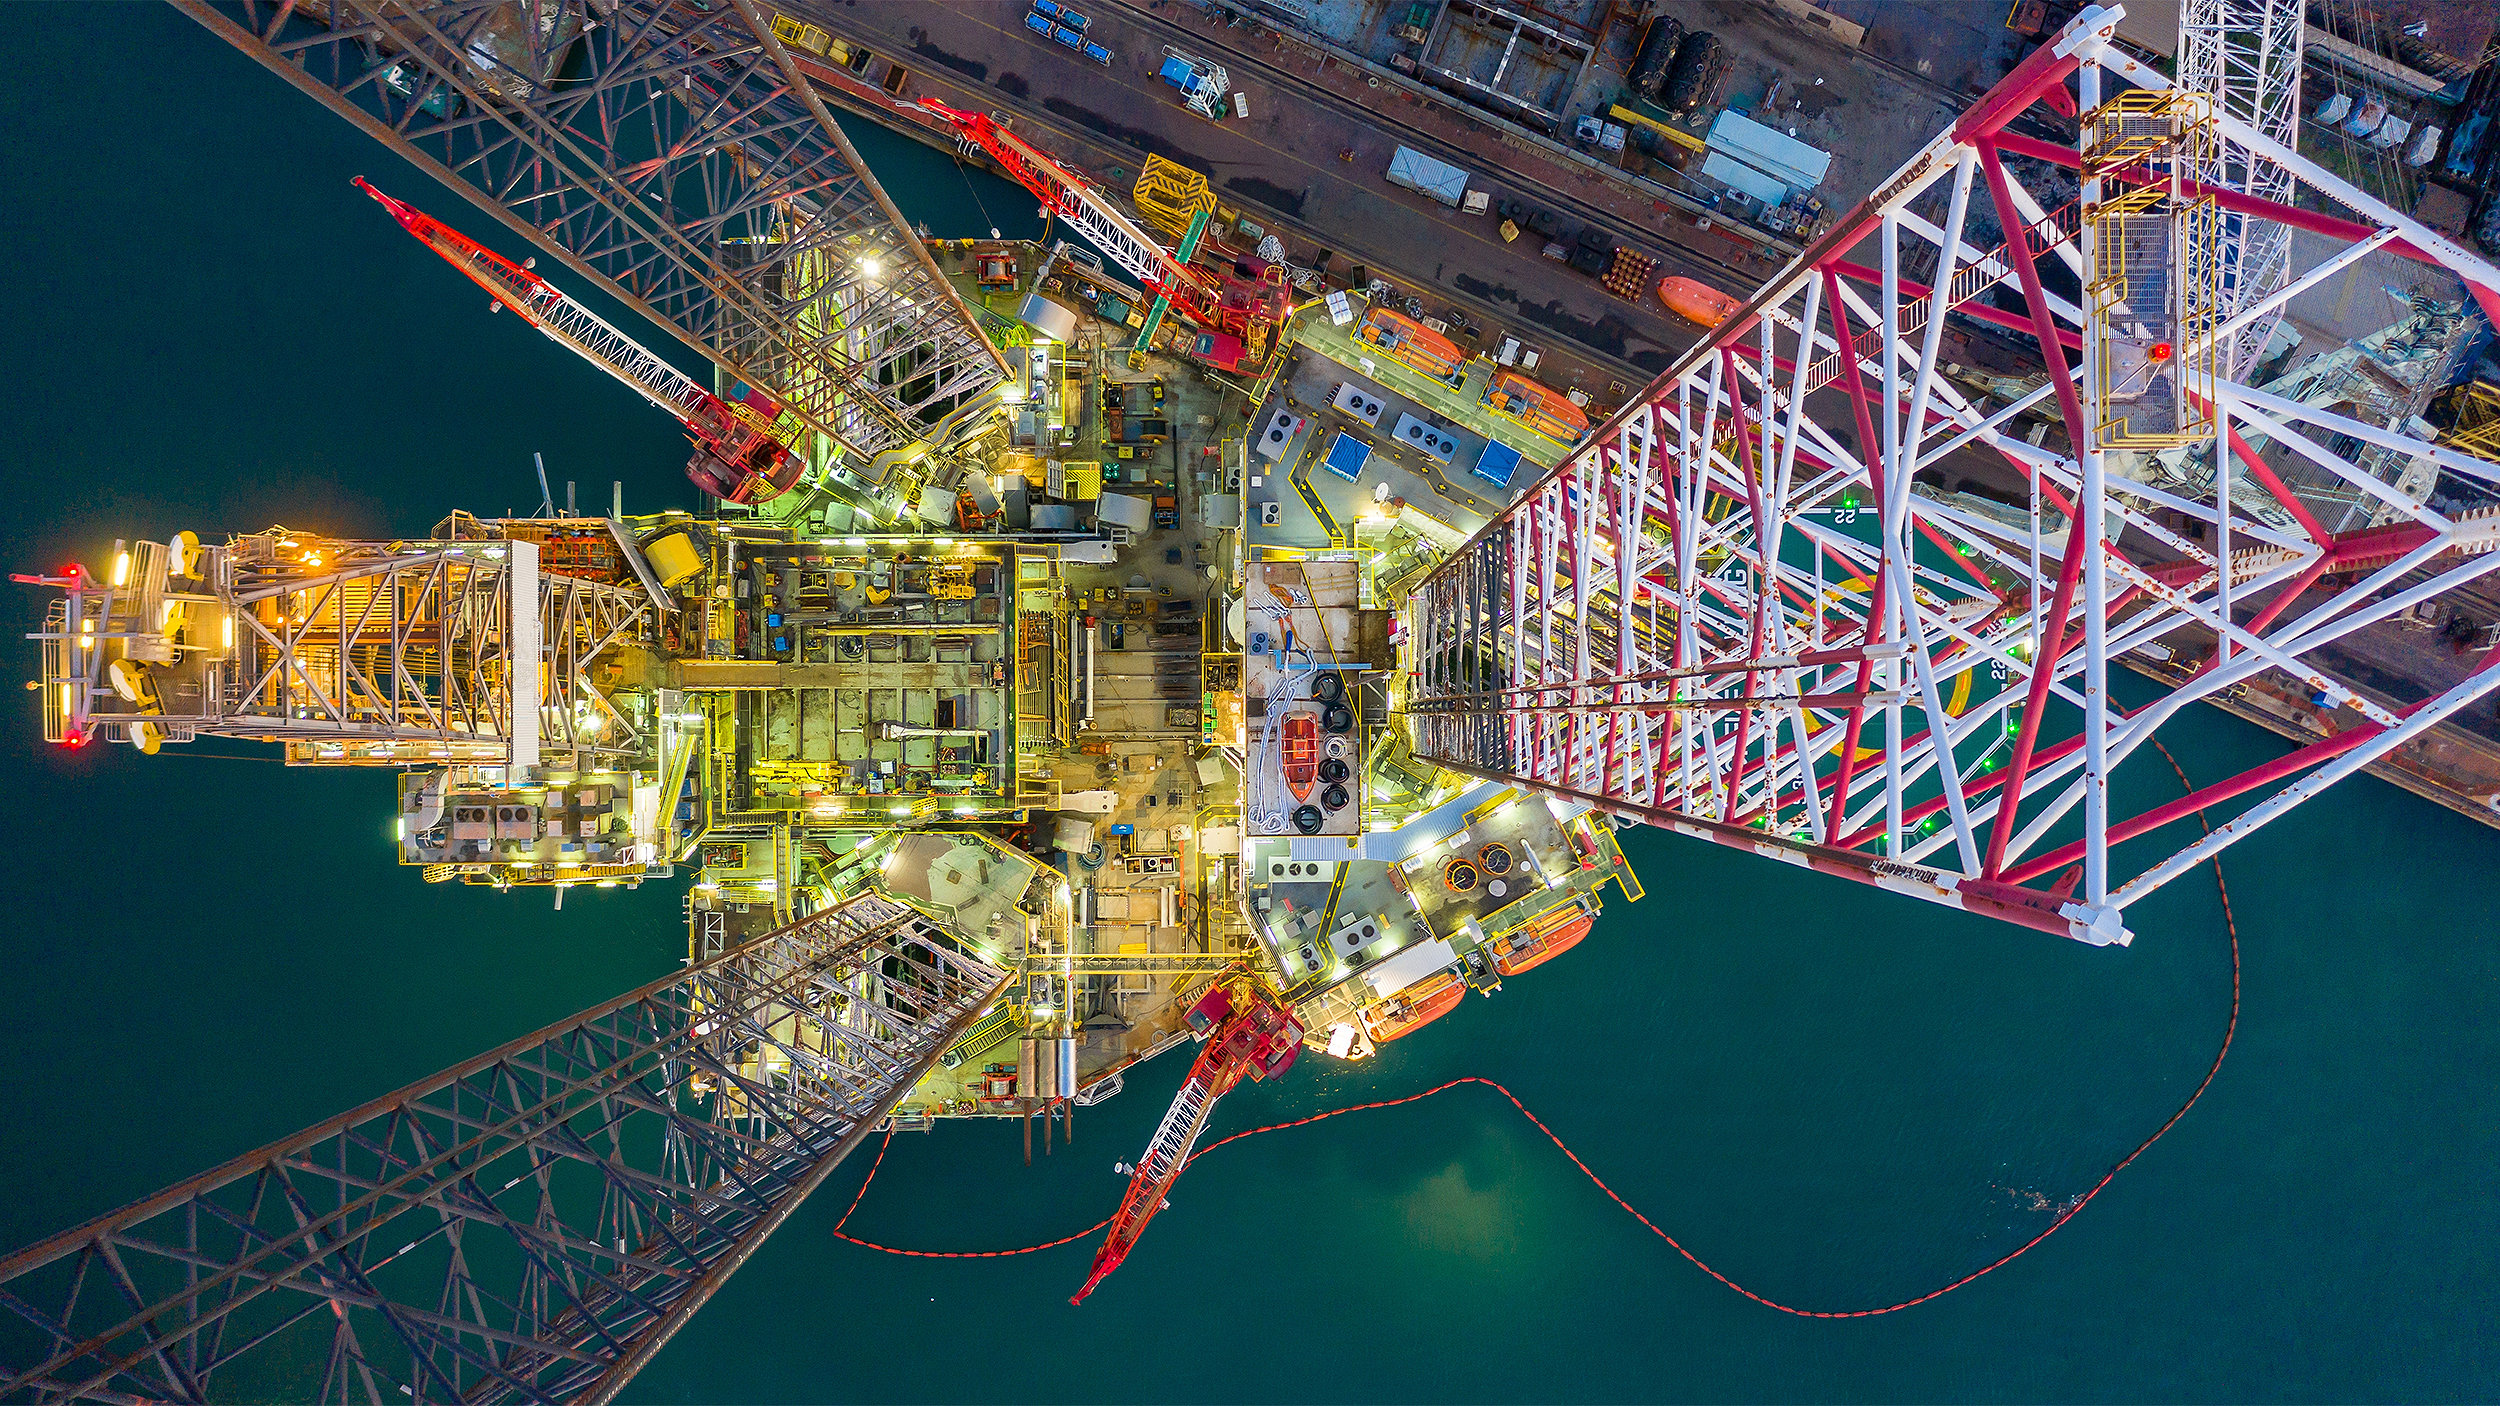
(75,739)
(2160,351)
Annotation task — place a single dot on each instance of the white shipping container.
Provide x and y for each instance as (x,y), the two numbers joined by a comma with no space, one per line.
(1424,176)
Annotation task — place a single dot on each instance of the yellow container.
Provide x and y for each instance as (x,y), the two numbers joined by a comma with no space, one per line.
(673,557)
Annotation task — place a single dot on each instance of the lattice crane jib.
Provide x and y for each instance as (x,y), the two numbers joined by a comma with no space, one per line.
(746,450)
(531,1225)
(671,152)
(1070,197)
(1247,1035)
(1809,594)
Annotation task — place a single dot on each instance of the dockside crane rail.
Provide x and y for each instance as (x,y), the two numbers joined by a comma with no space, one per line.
(1068,196)
(1248,1035)
(742,452)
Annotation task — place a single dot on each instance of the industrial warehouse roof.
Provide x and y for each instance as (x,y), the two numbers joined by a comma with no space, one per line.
(1792,163)
(1719,166)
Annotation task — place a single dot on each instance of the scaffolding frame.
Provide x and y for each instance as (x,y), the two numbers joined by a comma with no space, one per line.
(380,653)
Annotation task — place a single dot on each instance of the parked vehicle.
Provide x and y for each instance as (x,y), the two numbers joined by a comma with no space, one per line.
(1098,54)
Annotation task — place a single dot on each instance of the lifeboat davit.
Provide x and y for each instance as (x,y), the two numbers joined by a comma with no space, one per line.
(1301,753)
(1414,1008)
(1541,941)
(1697,302)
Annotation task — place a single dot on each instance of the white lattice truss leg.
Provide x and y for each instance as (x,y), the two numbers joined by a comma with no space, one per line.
(1738,610)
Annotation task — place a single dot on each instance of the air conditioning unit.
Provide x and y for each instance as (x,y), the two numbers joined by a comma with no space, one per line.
(1301,871)
(1354,936)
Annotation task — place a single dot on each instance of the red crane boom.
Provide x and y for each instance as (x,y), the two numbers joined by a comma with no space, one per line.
(740,453)
(1259,1039)
(1068,196)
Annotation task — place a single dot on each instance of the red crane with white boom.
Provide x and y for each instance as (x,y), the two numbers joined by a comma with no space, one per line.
(740,453)
(1065,194)
(1247,1034)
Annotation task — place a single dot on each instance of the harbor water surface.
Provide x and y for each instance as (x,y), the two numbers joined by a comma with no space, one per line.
(1838,1098)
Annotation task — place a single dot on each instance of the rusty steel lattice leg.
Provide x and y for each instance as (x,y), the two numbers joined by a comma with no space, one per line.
(671,151)
(531,1225)
(1812,594)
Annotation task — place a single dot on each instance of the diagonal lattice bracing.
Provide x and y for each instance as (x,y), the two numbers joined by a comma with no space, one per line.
(668,150)
(531,1225)
(1813,595)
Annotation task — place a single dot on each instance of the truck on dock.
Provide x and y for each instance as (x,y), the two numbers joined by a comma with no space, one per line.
(1425,176)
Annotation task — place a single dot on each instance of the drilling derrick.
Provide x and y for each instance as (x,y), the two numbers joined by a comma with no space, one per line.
(743,451)
(1753,608)
(1247,1035)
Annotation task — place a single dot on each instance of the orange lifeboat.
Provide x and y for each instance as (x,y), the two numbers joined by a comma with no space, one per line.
(1414,1008)
(1300,759)
(1541,941)
(1697,302)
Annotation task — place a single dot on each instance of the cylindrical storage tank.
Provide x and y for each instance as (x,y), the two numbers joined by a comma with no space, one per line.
(1656,55)
(1025,1076)
(1064,1066)
(673,557)
(1686,81)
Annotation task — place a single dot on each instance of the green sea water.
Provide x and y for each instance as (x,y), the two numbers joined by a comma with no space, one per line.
(1838,1098)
